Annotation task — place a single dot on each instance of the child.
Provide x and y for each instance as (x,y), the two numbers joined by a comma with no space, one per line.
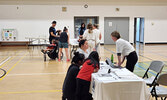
(69,86)
(90,66)
(50,47)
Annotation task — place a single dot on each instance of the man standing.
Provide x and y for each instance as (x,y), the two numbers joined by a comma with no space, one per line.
(125,49)
(52,32)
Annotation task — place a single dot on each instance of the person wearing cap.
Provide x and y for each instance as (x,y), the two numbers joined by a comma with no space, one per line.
(125,49)
(52,32)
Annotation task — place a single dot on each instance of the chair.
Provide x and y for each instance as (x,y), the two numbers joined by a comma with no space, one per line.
(155,66)
(160,91)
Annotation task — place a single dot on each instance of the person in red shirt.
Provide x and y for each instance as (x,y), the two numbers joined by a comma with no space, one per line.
(90,66)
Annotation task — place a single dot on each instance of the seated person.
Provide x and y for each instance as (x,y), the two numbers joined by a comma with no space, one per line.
(50,47)
(69,86)
(83,44)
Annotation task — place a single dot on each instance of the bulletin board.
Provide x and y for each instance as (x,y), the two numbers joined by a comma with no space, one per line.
(9,35)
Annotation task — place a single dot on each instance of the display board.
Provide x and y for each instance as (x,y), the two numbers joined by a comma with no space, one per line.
(9,35)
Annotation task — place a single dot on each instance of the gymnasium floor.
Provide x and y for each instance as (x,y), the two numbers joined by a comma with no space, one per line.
(30,78)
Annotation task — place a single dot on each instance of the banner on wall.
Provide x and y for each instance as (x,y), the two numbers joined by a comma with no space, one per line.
(9,34)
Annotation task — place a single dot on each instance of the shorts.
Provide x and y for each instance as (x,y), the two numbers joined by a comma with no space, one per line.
(63,45)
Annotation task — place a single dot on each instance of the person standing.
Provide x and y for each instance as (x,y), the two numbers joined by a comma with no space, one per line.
(91,37)
(63,43)
(96,28)
(81,30)
(69,85)
(125,49)
(52,32)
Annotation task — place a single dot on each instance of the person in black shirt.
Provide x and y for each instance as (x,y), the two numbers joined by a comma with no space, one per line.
(81,30)
(69,86)
(52,32)
(63,43)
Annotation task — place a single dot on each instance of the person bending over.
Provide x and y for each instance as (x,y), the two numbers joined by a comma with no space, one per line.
(125,49)
(90,66)
(69,86)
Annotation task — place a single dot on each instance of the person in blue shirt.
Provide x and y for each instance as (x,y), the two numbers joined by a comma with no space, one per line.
(81,30)
(52,32)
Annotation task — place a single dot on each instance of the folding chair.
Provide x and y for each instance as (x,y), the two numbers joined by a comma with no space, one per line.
(160,91)
(155,66)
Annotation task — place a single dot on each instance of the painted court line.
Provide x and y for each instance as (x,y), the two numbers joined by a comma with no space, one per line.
(12,67)
(35,91)
(29,74)
(4,61)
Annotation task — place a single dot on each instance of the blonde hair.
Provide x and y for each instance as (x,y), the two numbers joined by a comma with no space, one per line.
(90,27)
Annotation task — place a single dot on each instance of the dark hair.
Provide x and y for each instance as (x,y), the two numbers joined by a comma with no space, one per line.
(82,24)
(65,29)
(54,22)
(94,59)
(96,25)
(116,34)
(78,57)
(82,42)
(90,27)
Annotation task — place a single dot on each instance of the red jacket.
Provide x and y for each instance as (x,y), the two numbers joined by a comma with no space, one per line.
(86,71)
(51,46)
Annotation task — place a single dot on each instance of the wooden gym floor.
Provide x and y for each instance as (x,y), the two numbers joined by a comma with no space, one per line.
(30,78)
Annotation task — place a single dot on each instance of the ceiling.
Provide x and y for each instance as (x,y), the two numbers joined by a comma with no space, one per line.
(80,2)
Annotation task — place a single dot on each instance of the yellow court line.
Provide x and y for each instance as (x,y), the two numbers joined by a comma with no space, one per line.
(35,91)
(6,62)
(13,67)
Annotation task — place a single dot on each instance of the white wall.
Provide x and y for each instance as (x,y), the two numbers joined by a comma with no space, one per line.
(34,20)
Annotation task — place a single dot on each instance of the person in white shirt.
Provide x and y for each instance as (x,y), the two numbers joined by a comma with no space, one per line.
(91,37)
(95,27)
(125,49)
(83,48)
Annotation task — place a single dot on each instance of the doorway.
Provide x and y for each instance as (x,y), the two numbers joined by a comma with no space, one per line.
(84,19)
(120,24)
(138,30)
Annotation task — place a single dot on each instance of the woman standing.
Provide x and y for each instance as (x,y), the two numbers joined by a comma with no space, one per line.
(63,43)
(95,27)
(69,86)
(81,30)
(91,37)
(125,49)
(90,66)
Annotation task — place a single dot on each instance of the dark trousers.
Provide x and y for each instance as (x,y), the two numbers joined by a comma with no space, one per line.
(82,91)
(68,98)
(131,61)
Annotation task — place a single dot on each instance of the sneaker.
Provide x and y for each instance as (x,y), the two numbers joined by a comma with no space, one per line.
(59,60)
(68,60)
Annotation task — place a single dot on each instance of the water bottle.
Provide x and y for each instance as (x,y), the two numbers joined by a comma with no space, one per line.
(112,58)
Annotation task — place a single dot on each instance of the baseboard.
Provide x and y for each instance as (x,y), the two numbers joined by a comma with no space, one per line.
(156,43)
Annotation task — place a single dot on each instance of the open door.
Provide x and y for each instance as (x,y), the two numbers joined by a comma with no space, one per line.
(139,30)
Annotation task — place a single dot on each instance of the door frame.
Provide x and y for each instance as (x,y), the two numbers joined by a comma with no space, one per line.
(85,16)
(134,28)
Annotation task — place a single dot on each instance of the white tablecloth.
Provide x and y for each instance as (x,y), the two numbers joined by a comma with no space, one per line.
(120,84)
